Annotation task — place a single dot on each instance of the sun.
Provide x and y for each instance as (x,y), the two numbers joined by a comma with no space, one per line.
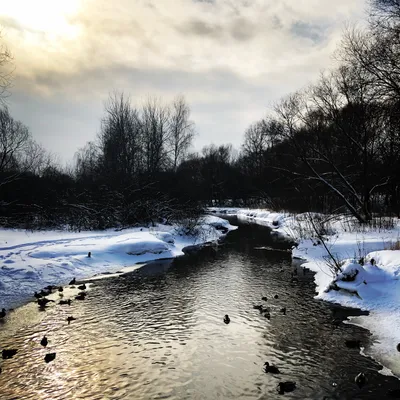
(50,17)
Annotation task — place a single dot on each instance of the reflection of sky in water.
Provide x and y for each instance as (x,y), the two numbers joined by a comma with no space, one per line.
(159,333)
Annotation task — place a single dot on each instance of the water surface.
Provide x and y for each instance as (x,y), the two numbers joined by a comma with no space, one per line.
(158,333)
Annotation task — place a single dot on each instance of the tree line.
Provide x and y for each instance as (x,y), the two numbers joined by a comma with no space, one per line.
(332,147)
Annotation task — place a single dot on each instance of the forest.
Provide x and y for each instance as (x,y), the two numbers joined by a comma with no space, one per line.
(333,147)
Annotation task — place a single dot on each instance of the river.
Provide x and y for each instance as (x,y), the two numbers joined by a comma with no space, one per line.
(158,333)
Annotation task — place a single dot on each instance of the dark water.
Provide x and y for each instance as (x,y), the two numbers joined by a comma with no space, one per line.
(159,334)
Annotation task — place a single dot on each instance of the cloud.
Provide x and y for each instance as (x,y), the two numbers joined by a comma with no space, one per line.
(231,58)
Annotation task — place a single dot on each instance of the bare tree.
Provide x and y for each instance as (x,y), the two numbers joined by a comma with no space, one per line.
(5,71)
(156,135)
(181,130)
(120,137)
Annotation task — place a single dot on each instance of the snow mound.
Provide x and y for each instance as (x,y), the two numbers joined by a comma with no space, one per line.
(30,261)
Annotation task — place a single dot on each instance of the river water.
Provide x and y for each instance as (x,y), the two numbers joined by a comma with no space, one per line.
(158,333)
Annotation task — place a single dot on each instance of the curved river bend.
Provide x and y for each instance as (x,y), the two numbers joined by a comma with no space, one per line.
(158,333)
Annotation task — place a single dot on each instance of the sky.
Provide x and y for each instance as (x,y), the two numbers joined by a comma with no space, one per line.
(231,59)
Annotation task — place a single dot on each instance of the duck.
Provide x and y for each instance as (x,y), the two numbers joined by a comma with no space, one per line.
(360,380)
(398,347)
(267,315)
(89,254)
(44,293)
(264,298)
(44,341)
(258,307)
(8,353)
(284,387)
(64,302)
(60,289)
(70,318)
(3,313)
(82,287)
(37,295)
(227,319)
(72,282)
(353,344)
(271,368)
(276,297)
(80,296)
(283,310)
(49,357)
(43,302)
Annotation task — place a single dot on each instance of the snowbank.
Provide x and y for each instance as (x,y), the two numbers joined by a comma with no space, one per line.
(373,286)
(30,261)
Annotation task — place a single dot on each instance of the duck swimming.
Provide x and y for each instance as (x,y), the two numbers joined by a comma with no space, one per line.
(264,298)
(353,344)
(80,296)
(69,319)
(43,302)
(2,313)
(8,353)
(360,380)
(271,368)
(227,319)
(44,341)
(284,387)
(73,281)
(64,302)
(49,357)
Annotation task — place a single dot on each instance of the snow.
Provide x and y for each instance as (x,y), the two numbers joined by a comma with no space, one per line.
(30,261)
(376,285)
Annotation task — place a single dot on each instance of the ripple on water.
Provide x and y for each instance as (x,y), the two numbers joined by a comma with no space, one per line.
(162,336)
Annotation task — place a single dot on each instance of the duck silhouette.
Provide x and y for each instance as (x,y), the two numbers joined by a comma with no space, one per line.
(353,344)
(3,313)
(70,318)
(64,302)
(82,287)
(258,307)
(60,289)
(80,296)
(44,293)
(264,298)
(284,387)
(267,315)
(43,302)
(8,353)
(49,357)
(360,380)
(283,310)
(37,295)
(276,297)
(44,341)
(227,319)
(73,281)
(271,368)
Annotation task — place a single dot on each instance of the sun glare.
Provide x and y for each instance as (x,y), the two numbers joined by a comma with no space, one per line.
(50,17)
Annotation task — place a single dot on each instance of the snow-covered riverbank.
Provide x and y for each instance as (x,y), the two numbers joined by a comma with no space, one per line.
(30,261)
(376,285)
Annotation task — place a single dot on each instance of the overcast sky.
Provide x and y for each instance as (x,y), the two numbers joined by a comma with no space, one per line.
(232,59)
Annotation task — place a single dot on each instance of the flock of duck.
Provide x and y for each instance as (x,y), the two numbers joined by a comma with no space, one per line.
(43,301)
(284,386)
(289,386)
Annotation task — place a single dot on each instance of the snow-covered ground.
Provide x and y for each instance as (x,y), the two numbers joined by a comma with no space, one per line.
(376,286)
(29,261)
